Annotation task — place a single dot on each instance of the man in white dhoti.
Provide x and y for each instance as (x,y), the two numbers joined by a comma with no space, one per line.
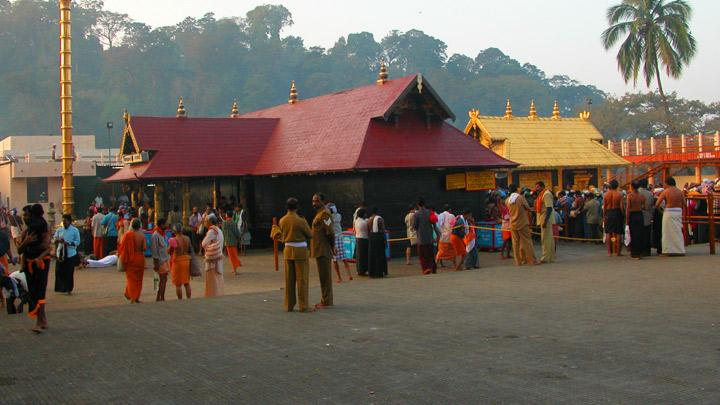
(673,240)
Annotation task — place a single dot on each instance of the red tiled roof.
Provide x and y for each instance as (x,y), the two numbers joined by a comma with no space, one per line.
(414,144)
(335,132)
(341,131)
(197,147)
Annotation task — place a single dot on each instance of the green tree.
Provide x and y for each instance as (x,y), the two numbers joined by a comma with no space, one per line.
(268,21)
(657,33)
(414,51)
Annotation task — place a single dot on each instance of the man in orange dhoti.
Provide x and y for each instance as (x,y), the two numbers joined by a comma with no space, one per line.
(132,254)
(446,250)
(231,236)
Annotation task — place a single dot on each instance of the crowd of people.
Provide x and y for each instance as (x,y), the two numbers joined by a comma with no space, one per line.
(116,235)
(641,218)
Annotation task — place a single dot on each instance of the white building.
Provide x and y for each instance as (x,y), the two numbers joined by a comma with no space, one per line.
(30,167)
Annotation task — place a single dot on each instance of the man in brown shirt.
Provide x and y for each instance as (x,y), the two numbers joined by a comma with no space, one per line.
(522,246)
(294,232)
(323,248)
(673,239)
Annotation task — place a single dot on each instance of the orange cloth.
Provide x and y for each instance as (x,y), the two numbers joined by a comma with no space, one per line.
(458,245)
(446,251)
(98,247)
(6,264)
(134,263)
(233,255)
(539,202)
(180,270)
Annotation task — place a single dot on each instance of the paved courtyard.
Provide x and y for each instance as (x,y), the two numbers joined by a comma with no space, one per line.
(585,330)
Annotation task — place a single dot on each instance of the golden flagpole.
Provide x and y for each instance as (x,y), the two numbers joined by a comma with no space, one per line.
(66,125)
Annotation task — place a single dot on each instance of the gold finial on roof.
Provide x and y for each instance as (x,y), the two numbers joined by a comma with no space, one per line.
(585,115)
(383,75)
(234,113)
(474,114)
(533,111)
(126,116)
(508,110)
(293,93)
(556,111)
(181,108)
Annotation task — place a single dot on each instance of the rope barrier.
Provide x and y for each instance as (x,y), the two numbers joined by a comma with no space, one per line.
(504,229)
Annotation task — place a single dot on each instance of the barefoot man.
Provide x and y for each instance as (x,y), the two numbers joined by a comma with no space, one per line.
(613,218)
(294,232)
(323,248)
(132,254)
(673,241)
(546,219)
(522,246)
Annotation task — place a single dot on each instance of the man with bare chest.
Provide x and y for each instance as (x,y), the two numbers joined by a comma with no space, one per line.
(613,218)
(673,241)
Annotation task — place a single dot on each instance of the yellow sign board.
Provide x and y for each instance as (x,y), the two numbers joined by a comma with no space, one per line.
(477,181)
(528,179)
(455,181)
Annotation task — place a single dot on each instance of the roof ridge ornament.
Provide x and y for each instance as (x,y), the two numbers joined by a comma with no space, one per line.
(126,117)
(420,82)
(585,115)
(508,110)
(533,112)
(293,93)
(556,111)
(383,75)
(181,109)
(234,112)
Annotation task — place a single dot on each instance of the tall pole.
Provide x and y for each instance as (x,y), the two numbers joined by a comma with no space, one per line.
(66,125)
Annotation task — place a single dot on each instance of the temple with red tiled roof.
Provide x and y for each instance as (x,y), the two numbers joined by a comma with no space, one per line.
(386,144)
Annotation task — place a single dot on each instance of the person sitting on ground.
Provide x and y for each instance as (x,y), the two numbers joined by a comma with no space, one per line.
(107,261)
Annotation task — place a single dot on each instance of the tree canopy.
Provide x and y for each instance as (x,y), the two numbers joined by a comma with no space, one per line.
(119,63)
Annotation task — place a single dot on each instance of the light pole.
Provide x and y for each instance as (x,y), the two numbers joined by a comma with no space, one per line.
(109,127)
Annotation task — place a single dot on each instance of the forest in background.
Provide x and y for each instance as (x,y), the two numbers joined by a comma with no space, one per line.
(119,63)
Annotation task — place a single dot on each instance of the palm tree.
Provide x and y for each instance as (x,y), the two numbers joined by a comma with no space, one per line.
(657,34)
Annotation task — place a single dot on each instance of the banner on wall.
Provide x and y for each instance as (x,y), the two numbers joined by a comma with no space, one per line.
(529,179)
(455,181)
(478,181)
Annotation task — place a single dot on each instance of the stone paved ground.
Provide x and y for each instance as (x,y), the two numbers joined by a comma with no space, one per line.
(585,330)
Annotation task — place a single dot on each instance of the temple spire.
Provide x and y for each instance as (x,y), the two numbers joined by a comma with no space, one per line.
(234,112)
(533,112)
(508,110)
(383,75)
(293,93)
(181,109)
(556,111)
(126,116)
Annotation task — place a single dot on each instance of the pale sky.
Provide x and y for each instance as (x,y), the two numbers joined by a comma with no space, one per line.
(558,36)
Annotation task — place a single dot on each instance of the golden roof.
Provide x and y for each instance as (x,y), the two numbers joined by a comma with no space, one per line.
(541,143)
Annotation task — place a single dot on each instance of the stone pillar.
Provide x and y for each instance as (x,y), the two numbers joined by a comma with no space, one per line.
(158,202)
(652,145)
(185,202)
(700,142)
(682,143)
(215,193)
(133,197)
(560,178)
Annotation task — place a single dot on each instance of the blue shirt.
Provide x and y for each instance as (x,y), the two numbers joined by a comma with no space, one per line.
(71,235)
(110,221)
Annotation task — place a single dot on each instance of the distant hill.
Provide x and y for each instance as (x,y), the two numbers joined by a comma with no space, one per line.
(120,63)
